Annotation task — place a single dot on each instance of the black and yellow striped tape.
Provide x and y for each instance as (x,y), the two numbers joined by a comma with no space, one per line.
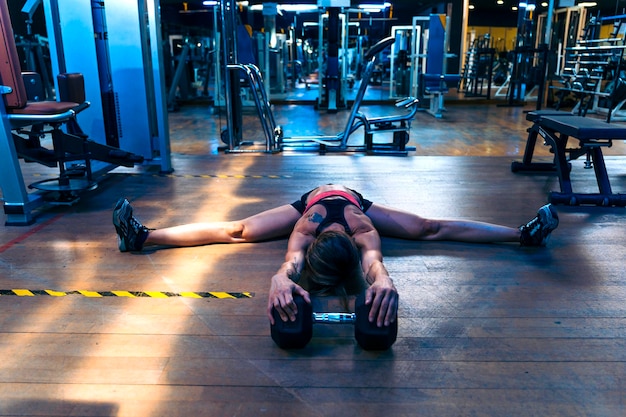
(129,294)
(222,176)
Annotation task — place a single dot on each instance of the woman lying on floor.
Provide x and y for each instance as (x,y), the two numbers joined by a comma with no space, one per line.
(334,245)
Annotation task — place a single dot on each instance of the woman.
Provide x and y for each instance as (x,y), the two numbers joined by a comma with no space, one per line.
(334,243)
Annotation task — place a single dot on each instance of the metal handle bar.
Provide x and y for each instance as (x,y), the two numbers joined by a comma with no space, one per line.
(334,318)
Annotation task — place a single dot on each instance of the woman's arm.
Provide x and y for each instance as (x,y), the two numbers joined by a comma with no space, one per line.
(282,285)
(382,293)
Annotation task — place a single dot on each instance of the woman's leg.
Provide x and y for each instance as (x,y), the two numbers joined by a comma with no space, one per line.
(402,224)
(270,224)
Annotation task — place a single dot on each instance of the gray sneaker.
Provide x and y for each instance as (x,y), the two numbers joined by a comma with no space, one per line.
(131,234)
(537,231)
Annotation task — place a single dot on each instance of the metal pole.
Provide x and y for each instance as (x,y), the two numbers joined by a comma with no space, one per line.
(230,57)
(549,18)
(158,86)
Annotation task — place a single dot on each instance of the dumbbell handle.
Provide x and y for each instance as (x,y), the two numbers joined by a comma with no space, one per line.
(329,318)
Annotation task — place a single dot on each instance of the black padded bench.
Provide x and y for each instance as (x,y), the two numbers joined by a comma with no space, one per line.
(592,134)
(533,133)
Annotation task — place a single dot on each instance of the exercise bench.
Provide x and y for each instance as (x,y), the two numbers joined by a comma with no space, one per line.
(592,134)
(533,133)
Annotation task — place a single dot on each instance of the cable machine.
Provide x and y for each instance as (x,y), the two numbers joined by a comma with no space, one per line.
(127,49)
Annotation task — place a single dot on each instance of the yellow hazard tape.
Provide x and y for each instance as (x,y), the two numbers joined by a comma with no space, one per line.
(19,292)
(93,294)
(220,176)
(55,293)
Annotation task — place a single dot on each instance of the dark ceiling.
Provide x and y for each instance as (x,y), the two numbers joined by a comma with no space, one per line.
(485,12)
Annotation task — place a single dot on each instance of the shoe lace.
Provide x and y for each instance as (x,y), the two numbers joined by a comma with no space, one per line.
(136,225)
(534,226)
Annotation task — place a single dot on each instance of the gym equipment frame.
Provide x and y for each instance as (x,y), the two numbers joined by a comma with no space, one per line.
(398,125)
(18,113)
(117,46)
(592,135)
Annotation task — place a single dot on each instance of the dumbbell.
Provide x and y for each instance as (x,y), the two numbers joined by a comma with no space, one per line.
(296,334)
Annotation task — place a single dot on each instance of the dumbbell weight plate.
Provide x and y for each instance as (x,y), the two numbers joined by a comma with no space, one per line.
(294,334)
(367,334)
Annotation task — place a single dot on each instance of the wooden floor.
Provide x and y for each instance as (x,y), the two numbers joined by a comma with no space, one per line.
(484,330)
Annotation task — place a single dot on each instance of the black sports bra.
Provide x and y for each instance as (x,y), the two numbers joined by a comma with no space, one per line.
(334,214)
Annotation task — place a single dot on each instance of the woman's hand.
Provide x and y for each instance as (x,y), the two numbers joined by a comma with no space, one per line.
(281,294)
(382,295)
(383,298)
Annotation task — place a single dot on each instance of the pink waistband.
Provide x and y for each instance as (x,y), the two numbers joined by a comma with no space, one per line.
(333,193)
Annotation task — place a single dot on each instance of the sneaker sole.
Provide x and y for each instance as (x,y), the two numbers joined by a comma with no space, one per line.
(548,216)
(122,209)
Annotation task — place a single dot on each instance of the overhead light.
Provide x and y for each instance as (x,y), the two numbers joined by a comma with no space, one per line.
(215,3)
(500,2)
(373,8)
(588,4)
(298,7)
(471,7)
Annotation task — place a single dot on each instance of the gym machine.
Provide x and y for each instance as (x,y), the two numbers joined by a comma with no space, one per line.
(123,71)
(275,141)
(418,61)
(192,61)
(396,125)
(179,83)
(297,334)
(568,24)
(26,119)
(408,57)
(272,51)
(332,30)
(529,64)
(33,46)
(123,126)
(435,77)
(594,67)
(232,70)
(478,70)
(295,58)
(403,66)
